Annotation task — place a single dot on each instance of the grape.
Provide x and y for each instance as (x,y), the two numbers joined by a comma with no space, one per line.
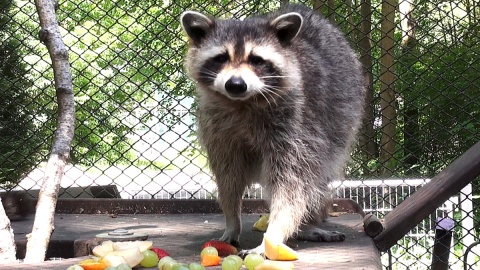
(252,260)
(229,264)
(237,259)
(210,251)
(75,267)
(196,266)
(166,263)
(110,268)
(123,266)
(180,266)
(150,258)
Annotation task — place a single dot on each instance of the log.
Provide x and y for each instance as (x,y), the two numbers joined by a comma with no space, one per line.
(428,198)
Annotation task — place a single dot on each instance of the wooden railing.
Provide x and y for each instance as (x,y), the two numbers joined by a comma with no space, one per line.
(424,201)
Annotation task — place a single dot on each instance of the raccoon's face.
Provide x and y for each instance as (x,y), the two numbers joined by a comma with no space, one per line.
(242,59)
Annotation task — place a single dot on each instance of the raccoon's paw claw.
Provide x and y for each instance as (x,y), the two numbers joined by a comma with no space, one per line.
(231,241)
(244,252)
(319,235)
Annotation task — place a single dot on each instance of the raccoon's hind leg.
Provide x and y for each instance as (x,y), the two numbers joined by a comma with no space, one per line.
(311,231)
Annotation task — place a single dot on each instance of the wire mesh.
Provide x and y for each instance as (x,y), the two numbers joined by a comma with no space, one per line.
(135,132)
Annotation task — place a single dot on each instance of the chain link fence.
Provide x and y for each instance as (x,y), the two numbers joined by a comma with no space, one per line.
(135,129)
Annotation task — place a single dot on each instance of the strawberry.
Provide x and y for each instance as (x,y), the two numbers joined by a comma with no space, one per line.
(224,248)
(160,252)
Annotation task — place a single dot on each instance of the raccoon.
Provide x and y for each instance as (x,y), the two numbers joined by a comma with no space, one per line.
(280,99)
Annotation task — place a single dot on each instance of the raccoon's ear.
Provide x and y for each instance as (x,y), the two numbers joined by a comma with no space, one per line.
(196,25)
(287,26)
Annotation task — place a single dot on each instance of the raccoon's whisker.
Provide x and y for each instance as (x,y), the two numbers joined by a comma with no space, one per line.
(272,91)
(275,76)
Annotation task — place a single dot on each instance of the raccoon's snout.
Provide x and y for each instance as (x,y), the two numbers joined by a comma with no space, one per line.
(236,86)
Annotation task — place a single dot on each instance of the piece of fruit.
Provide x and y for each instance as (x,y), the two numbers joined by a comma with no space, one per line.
(274,265)
(223,248)
(196,266)
(132,256)
(160,252)
(75,267)
(278,251)
(123,266)
(237,259)
(209,251)
(210,260)
(142,245)
(229,264)
(103,249)
(91,264)
(166,263)
(180,266)
(113,260)
(262,223)
(150,258)
(252,260)
(112,268)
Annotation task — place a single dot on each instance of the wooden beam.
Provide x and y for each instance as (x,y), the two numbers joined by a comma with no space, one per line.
(428,198)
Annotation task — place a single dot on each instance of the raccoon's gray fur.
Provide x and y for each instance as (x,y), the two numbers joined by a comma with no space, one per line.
(280,99)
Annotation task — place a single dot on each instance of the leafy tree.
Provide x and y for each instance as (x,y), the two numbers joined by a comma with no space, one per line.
(19,140)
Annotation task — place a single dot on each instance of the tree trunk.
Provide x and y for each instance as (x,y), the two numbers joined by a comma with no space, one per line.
(44,217)
(326,8)
(387,90)
(7,244)
(412,147)
(367,138)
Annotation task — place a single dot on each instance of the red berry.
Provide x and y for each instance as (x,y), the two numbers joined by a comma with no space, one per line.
(224,248)
(160,252)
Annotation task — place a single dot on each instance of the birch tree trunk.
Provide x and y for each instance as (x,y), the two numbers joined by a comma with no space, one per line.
(44,217)
(387,90)
(7,244)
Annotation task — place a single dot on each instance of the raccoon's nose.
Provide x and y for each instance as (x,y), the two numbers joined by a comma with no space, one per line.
(236,86)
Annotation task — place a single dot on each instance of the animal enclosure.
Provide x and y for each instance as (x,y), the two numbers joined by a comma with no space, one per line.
(135,127)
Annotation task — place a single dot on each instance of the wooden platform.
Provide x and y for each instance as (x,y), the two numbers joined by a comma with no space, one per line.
(182,235)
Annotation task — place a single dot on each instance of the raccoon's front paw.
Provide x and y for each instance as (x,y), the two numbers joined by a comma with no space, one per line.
(314,234)
(229,239)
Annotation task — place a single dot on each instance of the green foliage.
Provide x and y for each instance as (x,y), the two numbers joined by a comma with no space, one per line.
(19,141)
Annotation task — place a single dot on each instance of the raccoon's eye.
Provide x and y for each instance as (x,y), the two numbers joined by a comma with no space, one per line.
(221,58)
(256,60)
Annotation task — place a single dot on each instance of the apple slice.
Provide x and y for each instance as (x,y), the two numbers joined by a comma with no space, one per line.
(278,251)
(274,265)
(262,223)
(142,245)
(113,260)
(132,256)
(103,249)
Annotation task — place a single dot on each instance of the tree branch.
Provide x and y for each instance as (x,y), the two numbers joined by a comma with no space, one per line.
(44,217)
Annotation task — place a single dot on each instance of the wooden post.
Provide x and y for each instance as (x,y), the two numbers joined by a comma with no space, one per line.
(424,201)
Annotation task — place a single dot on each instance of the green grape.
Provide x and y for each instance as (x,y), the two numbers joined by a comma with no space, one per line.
(166,263)
(123,266)
(210,251)
(150,258)
(237,259)
(252,260)
(196,266)
(75,267)
(180,266)
(111,268)
(229,264)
